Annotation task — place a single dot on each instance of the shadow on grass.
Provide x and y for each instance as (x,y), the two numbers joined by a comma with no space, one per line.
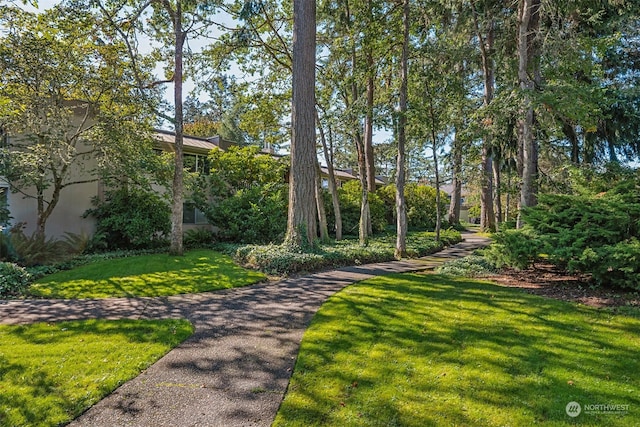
(50,373)
(428,350)
(147,275)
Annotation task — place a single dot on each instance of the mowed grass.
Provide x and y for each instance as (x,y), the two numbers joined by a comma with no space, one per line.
(51,373)
(426,350)
(147,276)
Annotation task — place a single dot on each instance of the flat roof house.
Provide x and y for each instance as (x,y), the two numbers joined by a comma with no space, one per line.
(76,199)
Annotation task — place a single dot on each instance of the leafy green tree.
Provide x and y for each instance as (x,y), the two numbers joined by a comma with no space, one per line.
(67,100)
(167,24)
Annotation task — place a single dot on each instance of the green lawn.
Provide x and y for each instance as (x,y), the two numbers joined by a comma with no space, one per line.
(426,350)
(51,373)
(147,275)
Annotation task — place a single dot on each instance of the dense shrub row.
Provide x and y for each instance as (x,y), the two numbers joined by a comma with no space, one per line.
(277,259)
(595,234)
(245,198)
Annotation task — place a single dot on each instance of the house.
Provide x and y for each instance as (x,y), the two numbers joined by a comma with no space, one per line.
(342,176)
(76,199)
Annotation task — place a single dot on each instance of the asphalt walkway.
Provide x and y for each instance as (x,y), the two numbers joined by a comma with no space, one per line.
(234,370)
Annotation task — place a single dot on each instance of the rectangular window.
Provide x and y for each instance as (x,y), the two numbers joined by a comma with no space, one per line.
(4,196)
(188,214)
(196,163)
(193,215)
(190,162)
(4,138)
(4,207)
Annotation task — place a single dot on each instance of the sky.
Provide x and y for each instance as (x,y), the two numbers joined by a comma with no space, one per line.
(194,44)
(189,86)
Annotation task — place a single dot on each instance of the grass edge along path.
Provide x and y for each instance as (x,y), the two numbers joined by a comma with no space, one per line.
(147,276)
(52,372)
(427,350)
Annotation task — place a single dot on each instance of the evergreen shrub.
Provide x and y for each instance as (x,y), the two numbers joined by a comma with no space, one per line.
(13,279)
(244,196)
(130,218)
(350,195)
(595,234)
(514,248)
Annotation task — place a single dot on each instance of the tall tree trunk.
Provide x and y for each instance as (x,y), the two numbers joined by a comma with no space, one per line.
(497,194)
(176,247)
(456,182)
(364,230)
(528,76)
(434,148)
(570,132)
(322,215)
(301,222)
(401,208)
(364,224)
(487,216)
(368,120)
(333,187)
(368,127)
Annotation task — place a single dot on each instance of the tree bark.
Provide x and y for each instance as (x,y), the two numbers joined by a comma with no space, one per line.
(401,208)
(176,247)
(364,225)
(487,215)
(497,194)
(368,127)
(456,194)
(434,148)
(322,215)
(301,221)
(528,76)
(333,187)
(487,218)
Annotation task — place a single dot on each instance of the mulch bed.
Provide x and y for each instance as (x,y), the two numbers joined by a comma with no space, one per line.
(547,281)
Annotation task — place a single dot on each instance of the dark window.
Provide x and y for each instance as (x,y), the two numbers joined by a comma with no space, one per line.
(4,137)
(193,215)
(190,162)
(5,216)
(196,163)
(188,214)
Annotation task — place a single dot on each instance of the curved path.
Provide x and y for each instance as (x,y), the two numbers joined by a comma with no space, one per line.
(234,370)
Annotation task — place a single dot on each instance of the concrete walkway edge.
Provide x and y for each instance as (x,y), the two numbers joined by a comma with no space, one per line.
(235,368)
